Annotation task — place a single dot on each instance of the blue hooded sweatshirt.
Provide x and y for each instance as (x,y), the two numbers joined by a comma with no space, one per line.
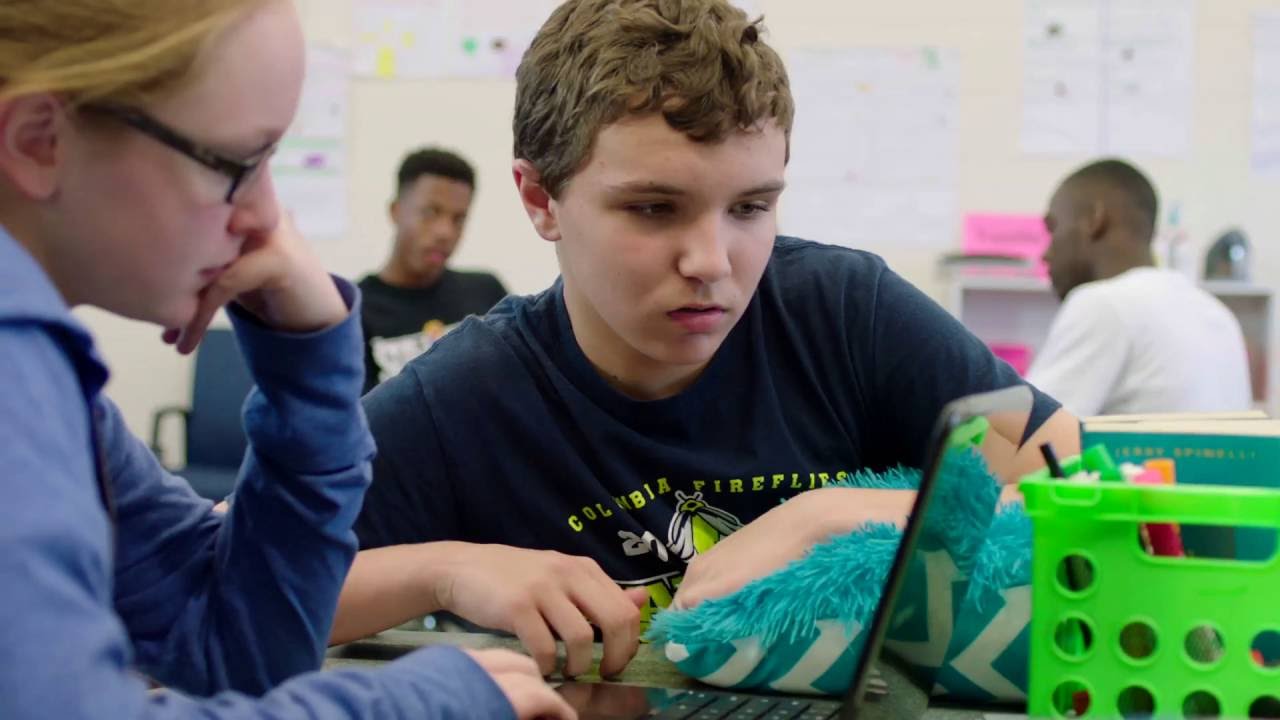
(230,613)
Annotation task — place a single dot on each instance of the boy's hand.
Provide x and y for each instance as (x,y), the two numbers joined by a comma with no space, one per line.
(539,595)
(784,534)
(278,279)
(519,680)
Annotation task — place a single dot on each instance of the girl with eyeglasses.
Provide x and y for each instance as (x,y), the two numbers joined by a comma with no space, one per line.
(134,140)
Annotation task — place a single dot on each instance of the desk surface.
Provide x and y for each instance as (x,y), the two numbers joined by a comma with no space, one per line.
(649,667)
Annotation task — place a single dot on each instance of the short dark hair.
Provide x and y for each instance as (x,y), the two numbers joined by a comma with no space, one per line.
(434,161)
(1120,176)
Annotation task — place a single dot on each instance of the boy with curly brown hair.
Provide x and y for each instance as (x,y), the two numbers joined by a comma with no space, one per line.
(640,422)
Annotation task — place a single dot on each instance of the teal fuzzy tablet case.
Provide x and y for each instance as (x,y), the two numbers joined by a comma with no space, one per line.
(960,624)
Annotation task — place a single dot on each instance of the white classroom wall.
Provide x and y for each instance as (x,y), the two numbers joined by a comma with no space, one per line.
(1212,181)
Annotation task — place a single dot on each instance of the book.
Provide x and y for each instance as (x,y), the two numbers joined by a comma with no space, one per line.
(1176,417)
(1207,449)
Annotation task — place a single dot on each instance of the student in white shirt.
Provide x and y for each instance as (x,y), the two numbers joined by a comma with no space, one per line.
(1130,337)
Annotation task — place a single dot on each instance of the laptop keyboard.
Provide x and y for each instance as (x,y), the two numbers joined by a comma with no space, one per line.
(700,705)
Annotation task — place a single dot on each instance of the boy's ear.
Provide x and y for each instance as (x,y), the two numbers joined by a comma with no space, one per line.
(31,143)
(1097,221)
(538,203)
(393,211)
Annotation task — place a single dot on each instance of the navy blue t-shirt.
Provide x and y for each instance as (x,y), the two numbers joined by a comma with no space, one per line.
(504,433)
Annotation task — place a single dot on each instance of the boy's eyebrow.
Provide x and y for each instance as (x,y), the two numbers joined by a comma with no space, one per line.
(657,188)
(645,186)
(774,186)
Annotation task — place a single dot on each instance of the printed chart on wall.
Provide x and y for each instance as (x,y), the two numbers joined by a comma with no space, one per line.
(309,168)
(1265,155)
(873,149)
(1108,76)
(406,39)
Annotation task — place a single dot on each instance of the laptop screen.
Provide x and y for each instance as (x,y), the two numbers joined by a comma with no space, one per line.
(912,627)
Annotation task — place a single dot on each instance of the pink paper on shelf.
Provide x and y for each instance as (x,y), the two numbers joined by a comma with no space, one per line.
(1005,234)
(1017,355)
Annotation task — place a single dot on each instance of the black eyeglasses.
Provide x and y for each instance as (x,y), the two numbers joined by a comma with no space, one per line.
(240,173)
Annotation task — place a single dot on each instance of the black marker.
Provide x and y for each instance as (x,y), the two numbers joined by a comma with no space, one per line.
(1077,572)
(1050,459)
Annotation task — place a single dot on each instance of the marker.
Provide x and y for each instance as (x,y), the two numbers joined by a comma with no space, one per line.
(1165,540)
(1161,539)
(1051,460)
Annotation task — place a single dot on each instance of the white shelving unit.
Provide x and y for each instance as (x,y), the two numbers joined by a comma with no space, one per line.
(1017,309)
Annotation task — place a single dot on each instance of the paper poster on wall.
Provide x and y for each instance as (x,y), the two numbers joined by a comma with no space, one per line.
(1265,151)
(309,168)
(1148,77)
(1061,85)
(1108,76)
(491,35)
(873,148)
(445,38)
(396,39)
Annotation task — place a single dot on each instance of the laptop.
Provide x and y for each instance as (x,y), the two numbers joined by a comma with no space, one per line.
(883,684)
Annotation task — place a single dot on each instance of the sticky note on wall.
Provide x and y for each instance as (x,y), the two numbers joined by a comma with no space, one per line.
(386,66)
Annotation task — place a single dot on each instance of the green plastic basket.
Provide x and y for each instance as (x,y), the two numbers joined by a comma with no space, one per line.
(1149,636)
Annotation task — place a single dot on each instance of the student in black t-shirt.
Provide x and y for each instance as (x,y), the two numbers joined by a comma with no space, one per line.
(415,298)
(640,422)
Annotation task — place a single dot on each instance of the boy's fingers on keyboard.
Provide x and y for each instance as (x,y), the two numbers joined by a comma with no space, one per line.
(532,632)
(532,593)
(568,622)
(617,613)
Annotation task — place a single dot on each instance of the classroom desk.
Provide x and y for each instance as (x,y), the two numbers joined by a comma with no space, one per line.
(649,667)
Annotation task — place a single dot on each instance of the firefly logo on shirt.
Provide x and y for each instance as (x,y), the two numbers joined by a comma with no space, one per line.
(390,355)
(697,526)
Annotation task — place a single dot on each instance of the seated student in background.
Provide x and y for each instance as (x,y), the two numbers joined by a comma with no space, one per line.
(414,299)
(1130,337)
(688,372)
(134,142)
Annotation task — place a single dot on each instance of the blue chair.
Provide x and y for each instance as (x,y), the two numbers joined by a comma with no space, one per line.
(212,425)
